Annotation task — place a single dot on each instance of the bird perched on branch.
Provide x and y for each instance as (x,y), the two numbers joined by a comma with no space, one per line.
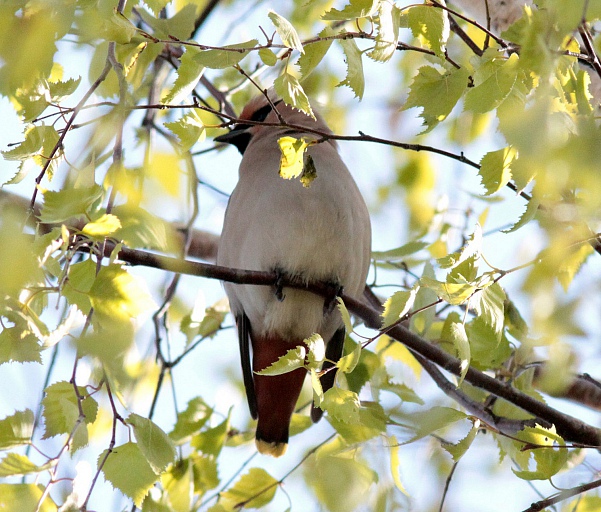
(319,233)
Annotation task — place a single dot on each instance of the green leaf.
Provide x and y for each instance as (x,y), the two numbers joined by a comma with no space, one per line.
(224,58)
(255,489)
(317,388)
(399,253)
(346,317)
(436,418)
(178,483)
(286,31)
(268,57)
(38,144)
(371,422)
(140,228)
(432,25)
(572,263)
(488,349)
(354,67)
(342,405)
(341,483)
(354,9)
(180,25)
(453,293)
(79,281)
(154,444)
(289,89)
(205,473)
(127,469)
(436,93)
(191,420)
(16,429)
(60,409)
(489,303)
(453,331)
(387,22)
(189,130)
(299,423)
(102,227)
(116,294)
(316,350)
(495,169)
(118,28)
(457,450)
(293,359)
(493,83)
(527,216)
(549,458)
(157,5)
(471,250)
(19,346)
(421,322)
(60,89)
(397,306)
(188,75)
(314,53)
(15,464)
(69,203)
(211,441)
(25,497)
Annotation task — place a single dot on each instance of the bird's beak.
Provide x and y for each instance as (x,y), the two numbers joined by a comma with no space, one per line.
(239,136)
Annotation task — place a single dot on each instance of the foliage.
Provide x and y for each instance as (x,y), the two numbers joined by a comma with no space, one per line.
(112,159)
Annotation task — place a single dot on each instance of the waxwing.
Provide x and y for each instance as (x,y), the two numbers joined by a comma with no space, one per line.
(316,233)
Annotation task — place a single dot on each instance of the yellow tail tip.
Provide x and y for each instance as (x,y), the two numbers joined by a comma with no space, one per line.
(274,449)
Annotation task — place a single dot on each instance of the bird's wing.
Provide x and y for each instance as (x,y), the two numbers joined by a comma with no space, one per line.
(247,373)
(333,353)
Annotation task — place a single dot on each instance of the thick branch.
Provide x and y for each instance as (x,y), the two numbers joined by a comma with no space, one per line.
(567,426)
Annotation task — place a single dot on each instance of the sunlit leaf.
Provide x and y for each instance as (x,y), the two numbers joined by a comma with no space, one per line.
(316,350)
(489,303)
(189,130)
(453,293)
(226,57)
(61,410)
(342,405)
(154,444)
(16,429)
(495,169)
(289,89)
(436,93)
(293,156)
(191,420)
(354,9)
(211,441)
(355,78)
(127,469)
(400,252)
(25,497)
(387,24)
(19,346)
(117,293)
(493,82)
(102,227)
(286,31)
(454,332)
(432,24)
(547,452)
(346,317)
(436,418)
(397,306)
(254,489)
(69,203)
(16,464)
(458,449)
(188,75)
(395,464)
(314,53)
(293,359)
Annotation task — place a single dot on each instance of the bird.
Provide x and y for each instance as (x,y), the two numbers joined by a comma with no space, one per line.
(320,233)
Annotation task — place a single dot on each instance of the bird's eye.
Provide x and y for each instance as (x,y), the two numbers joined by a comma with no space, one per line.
(261,114)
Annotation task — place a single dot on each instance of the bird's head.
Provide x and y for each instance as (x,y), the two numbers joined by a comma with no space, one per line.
(259,109)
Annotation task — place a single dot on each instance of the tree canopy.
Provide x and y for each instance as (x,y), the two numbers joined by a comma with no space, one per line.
(473,132)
